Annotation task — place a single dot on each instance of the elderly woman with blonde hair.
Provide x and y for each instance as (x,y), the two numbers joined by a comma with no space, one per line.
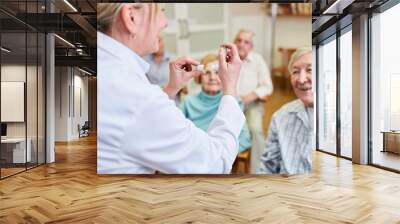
(202,107)
(140,130)
(289,144)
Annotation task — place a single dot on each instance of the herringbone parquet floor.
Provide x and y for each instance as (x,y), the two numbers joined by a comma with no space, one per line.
(70,191)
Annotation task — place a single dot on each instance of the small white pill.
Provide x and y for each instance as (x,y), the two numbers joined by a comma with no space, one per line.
(213,66)
(200,67)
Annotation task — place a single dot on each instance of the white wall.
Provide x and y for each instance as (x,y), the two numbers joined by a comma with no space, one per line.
(79,117)
(251,16)
(69,82)
(13,101)
(15,72)
(291,32)
(33,127)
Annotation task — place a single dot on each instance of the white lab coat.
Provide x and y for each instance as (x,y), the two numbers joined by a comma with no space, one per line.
(140,130)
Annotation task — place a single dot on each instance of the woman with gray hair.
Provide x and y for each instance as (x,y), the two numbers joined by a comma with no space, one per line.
(140,128)
(289,145)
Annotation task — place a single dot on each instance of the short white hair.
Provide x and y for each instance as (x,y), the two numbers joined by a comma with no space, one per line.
(296,55)
(252,34)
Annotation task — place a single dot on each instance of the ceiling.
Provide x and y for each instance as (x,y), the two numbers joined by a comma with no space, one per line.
(331,15)
(72,20)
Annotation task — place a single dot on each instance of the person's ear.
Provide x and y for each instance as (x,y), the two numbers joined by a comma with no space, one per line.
(129,19)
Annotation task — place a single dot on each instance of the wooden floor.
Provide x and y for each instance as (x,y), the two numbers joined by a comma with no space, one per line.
(10,171)
(70,191)
(5,172)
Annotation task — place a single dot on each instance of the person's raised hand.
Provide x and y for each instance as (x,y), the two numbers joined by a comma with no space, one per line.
(229,68)
(180,73)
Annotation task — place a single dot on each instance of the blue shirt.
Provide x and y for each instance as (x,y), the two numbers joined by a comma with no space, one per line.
(201,110)
(158,74)
(289,145)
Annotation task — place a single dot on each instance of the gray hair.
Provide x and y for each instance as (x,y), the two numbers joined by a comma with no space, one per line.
(296,55)
(252,34)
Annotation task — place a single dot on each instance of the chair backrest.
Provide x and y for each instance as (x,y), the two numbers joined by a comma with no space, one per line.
(86,125)
(286,54)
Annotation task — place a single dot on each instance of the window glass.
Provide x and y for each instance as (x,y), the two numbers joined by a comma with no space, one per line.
(346,94)
(327,97)
(385,84)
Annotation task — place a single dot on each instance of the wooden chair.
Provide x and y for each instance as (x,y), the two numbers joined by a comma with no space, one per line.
(84,129)
(242,158)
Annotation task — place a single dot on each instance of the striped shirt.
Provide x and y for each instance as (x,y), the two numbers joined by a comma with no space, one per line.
(289,144)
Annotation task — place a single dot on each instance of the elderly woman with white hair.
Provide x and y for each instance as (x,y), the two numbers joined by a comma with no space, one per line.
(289,144)
(140,130)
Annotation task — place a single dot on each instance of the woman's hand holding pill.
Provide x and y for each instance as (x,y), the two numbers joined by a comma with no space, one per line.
(229,68)
(180,73)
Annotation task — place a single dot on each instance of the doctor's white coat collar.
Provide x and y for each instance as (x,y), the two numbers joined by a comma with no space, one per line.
(123,53)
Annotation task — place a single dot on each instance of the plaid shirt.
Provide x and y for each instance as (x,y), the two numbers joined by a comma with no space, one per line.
(288,147)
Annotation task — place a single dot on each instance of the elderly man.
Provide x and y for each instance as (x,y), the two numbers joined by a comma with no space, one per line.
(289,143)
(253,87)
(158,73)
